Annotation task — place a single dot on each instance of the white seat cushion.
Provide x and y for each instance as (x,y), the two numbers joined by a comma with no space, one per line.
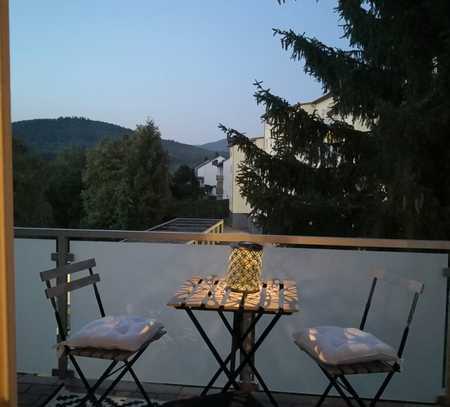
(340,346)
(120,332)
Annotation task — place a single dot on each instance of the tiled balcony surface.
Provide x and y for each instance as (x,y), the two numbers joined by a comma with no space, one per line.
(35,390)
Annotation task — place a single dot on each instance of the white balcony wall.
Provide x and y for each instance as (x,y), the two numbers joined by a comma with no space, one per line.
(139,278)
(35,321)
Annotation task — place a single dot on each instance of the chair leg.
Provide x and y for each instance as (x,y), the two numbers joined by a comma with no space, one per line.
(126,368)
(98,383)
(89,393)
(324,395)
(352,391)
(381,389)
(113,384)
(140,387)
(91,390)
(338,388)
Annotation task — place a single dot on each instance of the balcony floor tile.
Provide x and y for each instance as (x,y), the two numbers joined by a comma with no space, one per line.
(34,390)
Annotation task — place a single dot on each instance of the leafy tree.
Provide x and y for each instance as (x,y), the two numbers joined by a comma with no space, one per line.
(149,173)
(65,185)
(31,208)
(185,184)
(127,181)
(325,177)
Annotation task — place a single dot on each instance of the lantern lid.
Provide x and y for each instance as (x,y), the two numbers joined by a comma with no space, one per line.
(247,245)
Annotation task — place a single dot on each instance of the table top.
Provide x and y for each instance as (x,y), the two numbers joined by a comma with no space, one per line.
(211,294)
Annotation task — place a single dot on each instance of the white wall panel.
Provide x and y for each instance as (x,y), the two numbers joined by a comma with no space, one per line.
(139,278)
(35,321)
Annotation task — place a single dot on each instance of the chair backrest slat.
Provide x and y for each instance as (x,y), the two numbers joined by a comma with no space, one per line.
(67,269)
(412,285)
(71,286)
(368,304)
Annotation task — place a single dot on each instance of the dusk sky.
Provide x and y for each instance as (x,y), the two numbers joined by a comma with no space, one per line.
(186,64)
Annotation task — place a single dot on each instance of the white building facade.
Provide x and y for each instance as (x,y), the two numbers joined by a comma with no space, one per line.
(239,207)
(223,186)
(212,175)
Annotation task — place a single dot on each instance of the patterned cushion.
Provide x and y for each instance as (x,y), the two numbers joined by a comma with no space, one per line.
(333,345)
(127,333)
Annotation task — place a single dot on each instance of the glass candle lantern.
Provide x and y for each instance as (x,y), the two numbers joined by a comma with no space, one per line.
(244,267)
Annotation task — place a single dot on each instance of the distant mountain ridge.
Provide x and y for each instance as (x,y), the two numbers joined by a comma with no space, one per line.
(47,137)
(219,145)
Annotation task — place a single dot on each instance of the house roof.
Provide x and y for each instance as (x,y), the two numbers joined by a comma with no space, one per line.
(193,225)
(256,138)
(208,161)
(250,138)
(318,100)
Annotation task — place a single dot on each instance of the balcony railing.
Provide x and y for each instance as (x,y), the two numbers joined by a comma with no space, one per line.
(139,274)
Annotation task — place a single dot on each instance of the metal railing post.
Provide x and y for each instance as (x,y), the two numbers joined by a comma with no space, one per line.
(62,257)
(446,372)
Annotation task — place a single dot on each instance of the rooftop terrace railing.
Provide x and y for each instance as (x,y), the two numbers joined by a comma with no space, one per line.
(312,241)
(331,274)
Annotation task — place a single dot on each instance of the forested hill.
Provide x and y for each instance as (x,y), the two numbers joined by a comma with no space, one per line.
(47,137)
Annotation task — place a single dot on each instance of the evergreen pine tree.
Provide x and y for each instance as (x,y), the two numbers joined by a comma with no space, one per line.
(324,177)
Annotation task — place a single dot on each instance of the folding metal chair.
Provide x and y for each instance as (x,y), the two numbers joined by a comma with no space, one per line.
(336,374)
(127,358)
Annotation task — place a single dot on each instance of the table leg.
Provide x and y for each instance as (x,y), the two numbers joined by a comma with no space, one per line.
(234,339)
(235,333)
(249,360)
(231,358)
(249,356)
(247,382)
(222,364)
(252,366)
